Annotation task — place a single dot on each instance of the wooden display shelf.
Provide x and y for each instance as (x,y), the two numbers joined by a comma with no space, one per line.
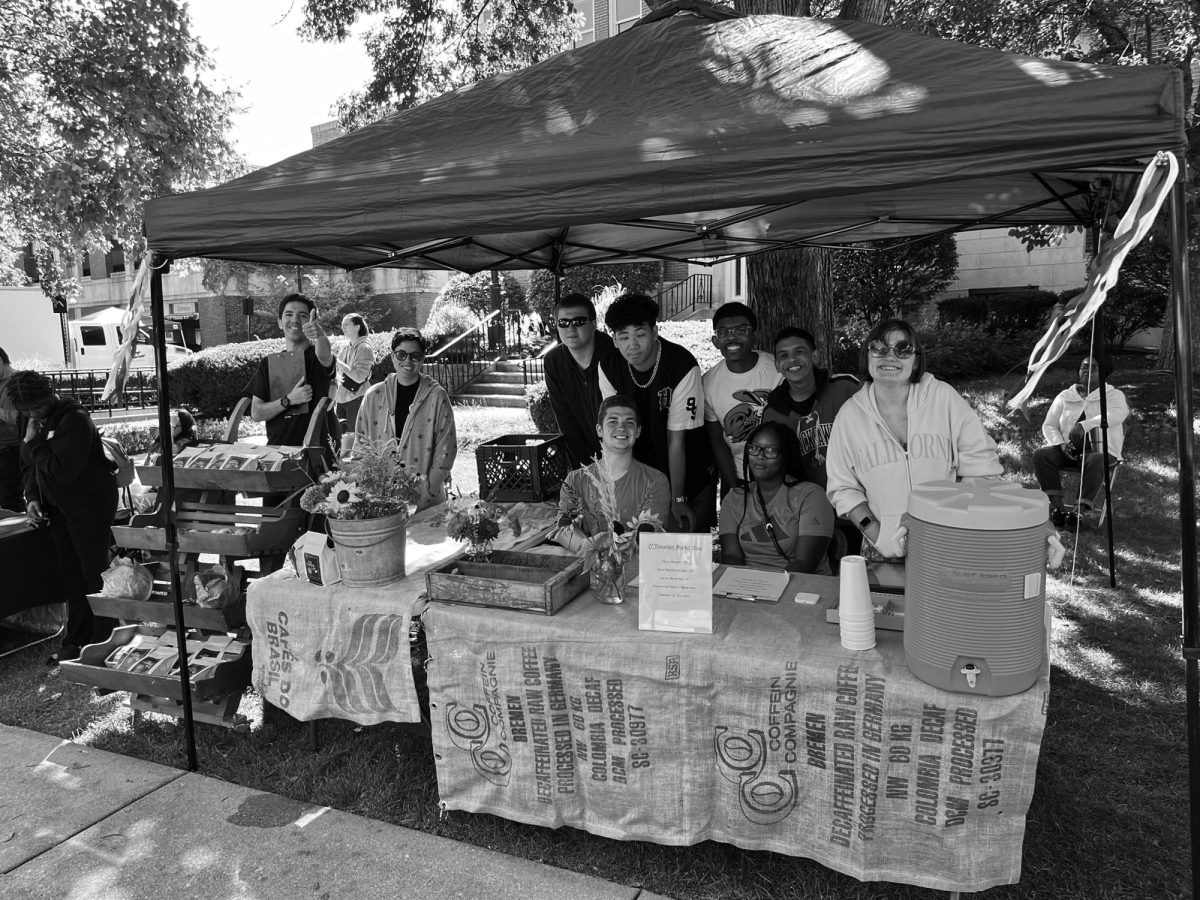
(531,582)
(268,529)
(161,608)
(230,677)
(293,477)
(231,618)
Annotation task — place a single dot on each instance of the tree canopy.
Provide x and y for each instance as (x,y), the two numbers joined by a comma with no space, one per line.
(422,48)
(103,104)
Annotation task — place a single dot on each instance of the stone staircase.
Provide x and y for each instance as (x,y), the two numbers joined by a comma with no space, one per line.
(501,385)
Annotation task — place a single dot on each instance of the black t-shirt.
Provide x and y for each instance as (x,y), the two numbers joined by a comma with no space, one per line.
(654,406)
(289,427)
(404,398)
(803,407)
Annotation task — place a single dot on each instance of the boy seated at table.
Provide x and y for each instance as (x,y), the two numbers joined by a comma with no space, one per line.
(615,487)
(778,519)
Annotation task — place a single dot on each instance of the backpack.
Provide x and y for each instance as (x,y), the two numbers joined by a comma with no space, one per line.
(119,460)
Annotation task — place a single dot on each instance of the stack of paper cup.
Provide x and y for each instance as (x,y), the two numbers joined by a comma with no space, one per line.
(855,612)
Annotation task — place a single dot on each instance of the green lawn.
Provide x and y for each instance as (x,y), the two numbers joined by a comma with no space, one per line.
(1108,819)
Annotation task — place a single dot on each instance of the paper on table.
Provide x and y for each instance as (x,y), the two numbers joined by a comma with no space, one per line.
(743,583)
(675,590)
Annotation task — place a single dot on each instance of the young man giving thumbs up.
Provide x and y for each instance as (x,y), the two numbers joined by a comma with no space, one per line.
(288,384)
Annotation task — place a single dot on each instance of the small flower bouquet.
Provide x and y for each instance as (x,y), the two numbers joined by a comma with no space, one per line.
(478,523)
(372,484)
(610,549)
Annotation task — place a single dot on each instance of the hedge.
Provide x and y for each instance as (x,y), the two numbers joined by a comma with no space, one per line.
(212,381)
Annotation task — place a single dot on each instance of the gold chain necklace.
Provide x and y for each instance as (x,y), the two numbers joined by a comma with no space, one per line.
(653,372)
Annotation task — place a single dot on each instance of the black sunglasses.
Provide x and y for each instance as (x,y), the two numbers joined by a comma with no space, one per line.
(577,322)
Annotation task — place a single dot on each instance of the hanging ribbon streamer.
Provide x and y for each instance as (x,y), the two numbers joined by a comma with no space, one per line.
(1156,183)
(130,326)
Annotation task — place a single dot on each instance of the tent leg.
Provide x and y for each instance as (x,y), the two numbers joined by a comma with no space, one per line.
(1100,354)
(158,266)
(1181,290)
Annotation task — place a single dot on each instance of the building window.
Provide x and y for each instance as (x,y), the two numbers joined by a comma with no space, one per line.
(29,264)
(85,266)
(114,260)
(587,9)
(622,14)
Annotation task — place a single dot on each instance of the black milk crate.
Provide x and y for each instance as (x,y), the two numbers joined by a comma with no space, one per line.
(521,466)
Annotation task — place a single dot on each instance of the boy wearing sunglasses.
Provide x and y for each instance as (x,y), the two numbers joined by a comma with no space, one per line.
(904,429)
(572,375)
(415,410)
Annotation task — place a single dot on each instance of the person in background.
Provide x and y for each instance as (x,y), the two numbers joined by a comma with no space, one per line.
(807,402)
(637,486)
(777,519)
(808,399)
(735,389)
(902,429)
(70,488)
(287,405)
(572,375)
(415,410)
(11,496)
(664,381)
(1071,430)
(354,364)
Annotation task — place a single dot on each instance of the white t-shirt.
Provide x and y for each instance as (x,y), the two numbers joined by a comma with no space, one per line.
(737,401)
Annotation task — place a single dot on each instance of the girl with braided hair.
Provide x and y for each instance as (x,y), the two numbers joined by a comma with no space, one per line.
(776,519)
(71,489)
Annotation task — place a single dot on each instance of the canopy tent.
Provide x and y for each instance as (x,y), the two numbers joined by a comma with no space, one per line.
(702,134)
(692,136)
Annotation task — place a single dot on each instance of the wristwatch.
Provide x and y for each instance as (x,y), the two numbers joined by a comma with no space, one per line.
(680,499)
(865,522)
(285,402)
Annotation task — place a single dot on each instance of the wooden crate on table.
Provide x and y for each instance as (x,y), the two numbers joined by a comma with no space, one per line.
(531,582)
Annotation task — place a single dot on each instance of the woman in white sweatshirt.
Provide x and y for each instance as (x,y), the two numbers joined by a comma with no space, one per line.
(903,428)
(1072,430)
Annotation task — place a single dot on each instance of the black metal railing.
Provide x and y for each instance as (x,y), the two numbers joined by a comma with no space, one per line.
(694,292)
(87,386)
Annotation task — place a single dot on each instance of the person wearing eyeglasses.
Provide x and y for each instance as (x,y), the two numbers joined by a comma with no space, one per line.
(904,428)
(735,389)
(777,519)
(572,376)
(415,410)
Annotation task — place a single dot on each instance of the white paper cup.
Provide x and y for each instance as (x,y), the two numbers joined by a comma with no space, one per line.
(854,598)
(864,644)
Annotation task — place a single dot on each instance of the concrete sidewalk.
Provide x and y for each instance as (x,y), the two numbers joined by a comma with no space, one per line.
(84,824)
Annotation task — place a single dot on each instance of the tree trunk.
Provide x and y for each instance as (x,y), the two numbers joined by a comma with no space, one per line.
(793,287)
(1166,347)
(864,10)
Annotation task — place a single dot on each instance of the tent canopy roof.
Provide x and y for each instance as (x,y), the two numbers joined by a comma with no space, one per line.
(696,134)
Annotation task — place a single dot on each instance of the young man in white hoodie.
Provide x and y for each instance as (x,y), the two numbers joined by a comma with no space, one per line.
(1071,430)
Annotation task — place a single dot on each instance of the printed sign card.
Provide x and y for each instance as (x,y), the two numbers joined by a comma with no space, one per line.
(675,582)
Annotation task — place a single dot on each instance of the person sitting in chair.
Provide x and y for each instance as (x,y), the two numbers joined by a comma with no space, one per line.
(1073,440)
(636,486)
(778,519)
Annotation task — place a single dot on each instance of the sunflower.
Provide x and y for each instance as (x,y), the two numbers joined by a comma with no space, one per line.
(342,495)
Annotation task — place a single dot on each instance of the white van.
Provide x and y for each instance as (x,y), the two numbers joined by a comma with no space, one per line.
(96,338)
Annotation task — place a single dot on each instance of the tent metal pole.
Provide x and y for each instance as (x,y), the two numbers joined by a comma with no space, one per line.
(159,265)
(1181,291)
(1099,353)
